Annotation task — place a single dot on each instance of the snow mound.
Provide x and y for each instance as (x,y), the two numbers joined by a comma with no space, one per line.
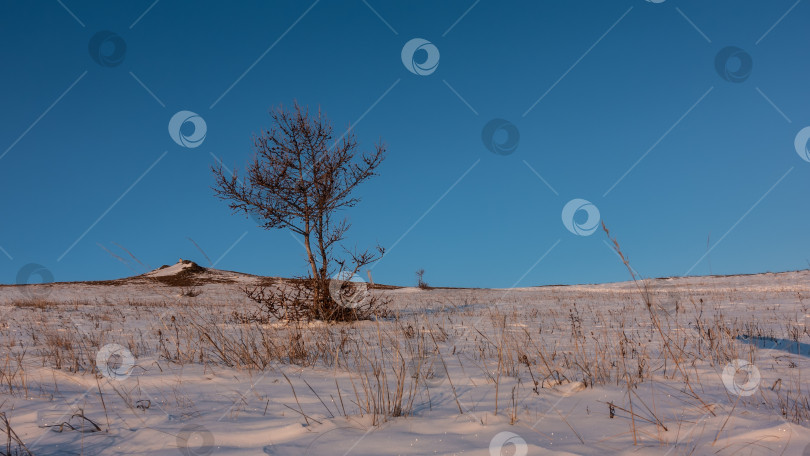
(186,273)
(181,267)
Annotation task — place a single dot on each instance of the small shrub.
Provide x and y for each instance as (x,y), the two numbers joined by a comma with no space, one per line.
(190,292)
(420,279)
(295,301)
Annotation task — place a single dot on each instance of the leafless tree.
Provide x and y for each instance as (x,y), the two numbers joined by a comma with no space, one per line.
(420,279)
(299,178)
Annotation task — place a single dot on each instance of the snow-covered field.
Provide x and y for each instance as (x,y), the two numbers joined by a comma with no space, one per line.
(166,364)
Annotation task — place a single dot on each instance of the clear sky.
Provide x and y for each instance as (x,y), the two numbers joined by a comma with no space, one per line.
(684,146)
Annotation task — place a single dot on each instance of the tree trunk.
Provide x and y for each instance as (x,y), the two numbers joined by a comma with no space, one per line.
(316,290)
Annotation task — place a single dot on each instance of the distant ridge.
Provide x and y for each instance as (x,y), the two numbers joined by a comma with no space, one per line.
(187,273)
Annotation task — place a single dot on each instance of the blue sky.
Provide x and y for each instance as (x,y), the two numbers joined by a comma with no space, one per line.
(597,90)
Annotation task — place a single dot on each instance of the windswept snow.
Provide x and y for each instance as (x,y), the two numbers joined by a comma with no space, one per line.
(526,371)
(177,268)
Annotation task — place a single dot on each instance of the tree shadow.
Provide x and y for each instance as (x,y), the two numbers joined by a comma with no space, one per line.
(773,343)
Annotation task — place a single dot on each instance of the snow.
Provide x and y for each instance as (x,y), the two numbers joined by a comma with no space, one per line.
(174,269)
(314,407)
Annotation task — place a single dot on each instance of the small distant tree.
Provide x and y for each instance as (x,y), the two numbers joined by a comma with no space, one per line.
(299,178)
(420,279)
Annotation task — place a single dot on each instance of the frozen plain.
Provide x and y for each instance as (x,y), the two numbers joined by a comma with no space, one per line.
(169,363)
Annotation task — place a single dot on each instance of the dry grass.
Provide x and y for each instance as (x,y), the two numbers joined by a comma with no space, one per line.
(655,337)
(14,445)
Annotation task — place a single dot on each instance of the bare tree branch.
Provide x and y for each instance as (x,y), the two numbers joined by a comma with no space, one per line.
(297,179)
